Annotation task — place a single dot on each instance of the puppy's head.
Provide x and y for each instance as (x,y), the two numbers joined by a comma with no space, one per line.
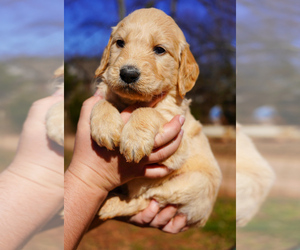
(147,54)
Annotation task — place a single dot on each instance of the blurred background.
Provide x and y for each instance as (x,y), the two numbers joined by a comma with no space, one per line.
(268,98)
(209,27)
(31,49)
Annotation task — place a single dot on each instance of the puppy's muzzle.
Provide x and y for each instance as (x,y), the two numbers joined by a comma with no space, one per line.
(129,74)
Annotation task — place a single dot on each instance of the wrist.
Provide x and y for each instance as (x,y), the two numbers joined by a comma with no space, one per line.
(92,179)
(81,204)
(38,176)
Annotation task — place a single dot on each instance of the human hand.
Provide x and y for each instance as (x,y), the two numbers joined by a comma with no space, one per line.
(99,168)
(165,219)
(94,171)
(31,187)
(38,159)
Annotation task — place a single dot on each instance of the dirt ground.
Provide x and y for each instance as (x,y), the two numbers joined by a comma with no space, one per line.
(218,234)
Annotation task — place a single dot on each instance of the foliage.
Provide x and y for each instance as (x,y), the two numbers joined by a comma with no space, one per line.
(77,91)
(209,27)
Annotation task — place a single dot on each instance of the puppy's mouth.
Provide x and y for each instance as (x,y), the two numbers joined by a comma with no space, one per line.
(134,95)
(131,91)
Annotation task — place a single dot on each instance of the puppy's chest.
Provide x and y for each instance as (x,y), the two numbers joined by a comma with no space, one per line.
(119,103)
(167,112)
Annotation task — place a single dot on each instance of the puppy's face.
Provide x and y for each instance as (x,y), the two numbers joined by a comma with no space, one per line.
(144,56)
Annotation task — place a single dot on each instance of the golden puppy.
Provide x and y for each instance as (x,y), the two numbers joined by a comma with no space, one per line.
(254,178)
(147,55)
(55,115)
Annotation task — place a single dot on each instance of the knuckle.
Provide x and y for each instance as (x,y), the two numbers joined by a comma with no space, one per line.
(146,219)
(158,140)
(161,155)
(86,102)
(37,103)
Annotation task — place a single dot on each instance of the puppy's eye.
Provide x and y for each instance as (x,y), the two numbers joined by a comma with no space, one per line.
(159,50)
(120,43)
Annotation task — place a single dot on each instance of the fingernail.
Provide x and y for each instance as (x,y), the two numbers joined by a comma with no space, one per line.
(181,132)
(173,205)
(184,229)
(181,119)
(154,201)
(154,205)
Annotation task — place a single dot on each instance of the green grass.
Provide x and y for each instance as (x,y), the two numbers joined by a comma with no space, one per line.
(222,220)
(277,218)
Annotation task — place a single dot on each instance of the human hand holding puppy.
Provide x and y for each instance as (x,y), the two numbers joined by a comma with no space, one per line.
(31,187)
(94,171)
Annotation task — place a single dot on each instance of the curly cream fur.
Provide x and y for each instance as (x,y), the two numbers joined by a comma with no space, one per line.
(194,184)
(55,115)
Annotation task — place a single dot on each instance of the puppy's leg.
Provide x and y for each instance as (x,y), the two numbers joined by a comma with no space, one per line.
(106,125)
(117,206)
(137,138)
(55,123)
(193,192)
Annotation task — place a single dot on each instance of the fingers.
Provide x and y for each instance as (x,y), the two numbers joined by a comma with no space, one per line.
(147,215)
(168,146)
(164,216)
(171,129)
(155,171)
(167,219)
(85,113)
(176,225)
(126,113)
(166,151)
(40,107)
(37,114)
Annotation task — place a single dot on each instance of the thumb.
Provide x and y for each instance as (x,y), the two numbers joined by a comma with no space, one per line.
(38,110)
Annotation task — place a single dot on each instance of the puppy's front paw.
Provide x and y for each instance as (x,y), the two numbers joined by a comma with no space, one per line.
(136,142)
(106,125)
(55,123)
(137,138)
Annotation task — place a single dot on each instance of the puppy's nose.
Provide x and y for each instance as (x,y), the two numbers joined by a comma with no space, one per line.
(129,74)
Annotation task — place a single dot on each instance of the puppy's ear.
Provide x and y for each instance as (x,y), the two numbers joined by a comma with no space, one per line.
(188,71)
(104,60)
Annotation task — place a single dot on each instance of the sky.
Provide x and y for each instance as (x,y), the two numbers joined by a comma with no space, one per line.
(31,28)
(88,23)
(76,27)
